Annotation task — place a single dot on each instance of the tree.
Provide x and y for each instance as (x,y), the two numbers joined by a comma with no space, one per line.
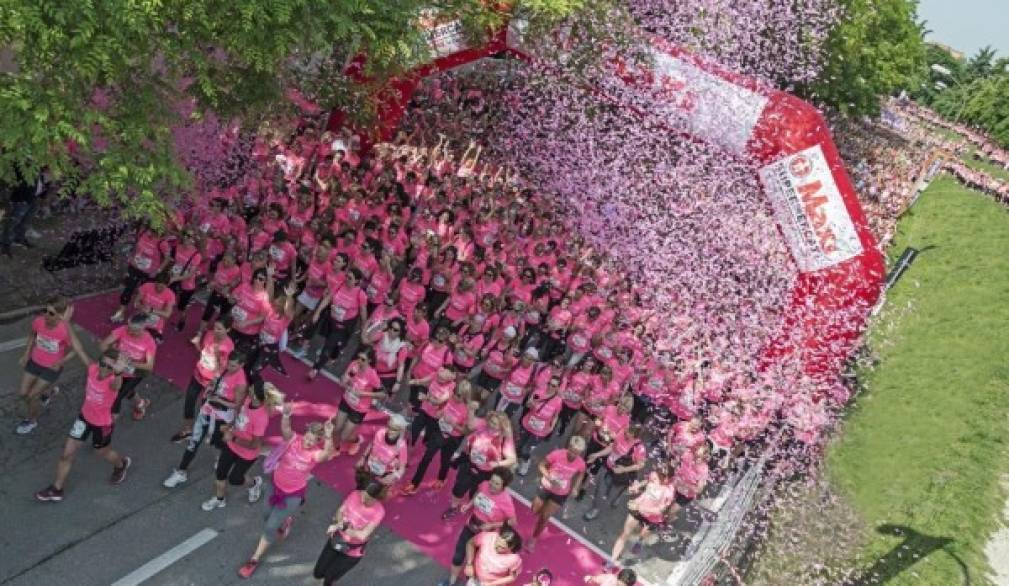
(876,50)
(94,87)
(981,64)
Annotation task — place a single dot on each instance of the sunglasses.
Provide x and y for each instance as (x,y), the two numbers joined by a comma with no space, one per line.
(261,279)
(393,329)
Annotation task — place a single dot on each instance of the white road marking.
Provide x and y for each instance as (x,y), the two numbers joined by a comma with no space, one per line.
(12,345)
(148,570)
(572,534)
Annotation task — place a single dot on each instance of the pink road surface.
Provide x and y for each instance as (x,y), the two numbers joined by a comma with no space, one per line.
(416,519)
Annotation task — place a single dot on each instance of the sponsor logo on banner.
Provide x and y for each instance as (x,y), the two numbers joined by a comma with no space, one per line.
(445,36)
(810,210)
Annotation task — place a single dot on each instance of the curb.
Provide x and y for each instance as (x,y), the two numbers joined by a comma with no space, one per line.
(16,314)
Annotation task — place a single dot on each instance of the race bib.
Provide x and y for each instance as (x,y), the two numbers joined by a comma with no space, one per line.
(655,383)
(579,341)
(152,320)
(371,292)
(354,215)
(351,397)
(239,313)
(438,281)
(78,429)
(338,312)
(267,338)
(605,352)
(208,360)
(241,421)
(376,467)
(205,227)
(142,262)
(483,504)
(276,253)
(537,424)
(460,356)
(445,427)
(571,397)
(48,345)
(177,270)
(478,458)
(512,391)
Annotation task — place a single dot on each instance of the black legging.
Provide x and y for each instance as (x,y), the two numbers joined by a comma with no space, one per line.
(337,333)
(434,443)
(468,479)
(266,355)
(127,390)
(564,419)
(217,302)
(333,565)
(422,422)
(134,279)
(527,442)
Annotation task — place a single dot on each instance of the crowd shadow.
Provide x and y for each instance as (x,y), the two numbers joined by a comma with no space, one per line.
(915,548)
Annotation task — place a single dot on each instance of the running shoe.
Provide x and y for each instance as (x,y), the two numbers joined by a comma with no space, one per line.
(119,472)
(117,317)
(592,514)
(248,568)
(47,398)
(50,494)
(436,484)
(285,528)
(140,409)
(409,489)
(26,426)
(524,468)
(256,490)
(181,436)
(450,513)
(176,478)
(213,503)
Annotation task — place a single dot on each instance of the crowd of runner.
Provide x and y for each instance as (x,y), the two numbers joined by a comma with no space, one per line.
(462,308)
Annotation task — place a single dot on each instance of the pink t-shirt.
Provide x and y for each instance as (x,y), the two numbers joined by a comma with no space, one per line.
(249,305)
(187,260)
(452,419)
(51,344)
(136,349)
(432,357)
(460,304)
(274,327)
(295,466)
(540,417)
(347,303)
(488,564)
(486,449)
(437,392)
(98,398)
(561,472)
(383,457)
(362,380)
(211,364)
(227,277)
(613,423)
(249,424)
(358,516)
(656,498)
(150,297)
(492,508)
(623,445)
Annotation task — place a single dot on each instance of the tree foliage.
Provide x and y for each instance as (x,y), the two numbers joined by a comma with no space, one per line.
(95,86)
(876,50)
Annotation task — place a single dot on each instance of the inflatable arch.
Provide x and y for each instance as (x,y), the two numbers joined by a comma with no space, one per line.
(840,268)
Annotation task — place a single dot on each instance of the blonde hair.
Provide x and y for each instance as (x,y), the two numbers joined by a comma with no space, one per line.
(272,396)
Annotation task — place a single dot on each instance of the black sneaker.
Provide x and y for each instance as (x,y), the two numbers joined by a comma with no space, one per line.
(50,494)
(181,437)
(119,472)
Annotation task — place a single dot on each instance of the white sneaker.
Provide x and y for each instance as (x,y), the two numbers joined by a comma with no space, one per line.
(524,468)
(256,490)
(176,478)
(213,503)
(26,426)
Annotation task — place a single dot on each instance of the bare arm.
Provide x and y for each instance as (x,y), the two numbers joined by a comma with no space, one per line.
(285,422)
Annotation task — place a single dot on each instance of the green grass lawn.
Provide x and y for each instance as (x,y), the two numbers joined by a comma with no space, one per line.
(927,441)
(982,165)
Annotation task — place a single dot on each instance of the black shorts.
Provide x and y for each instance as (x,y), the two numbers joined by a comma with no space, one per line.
(546,495)
(459,556)
(81,430)
(355,417)
(683,501)
(50,375)
(645,522)
(232,467)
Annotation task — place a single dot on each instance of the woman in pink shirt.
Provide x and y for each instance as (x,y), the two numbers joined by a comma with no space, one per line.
(493,559)
(561,474)
(625,577)
(47,349)
(539,420)
(385,459)
(346,304)
(468,343)
(430,357)
(411,291)
(292,465)
(361,386)
(517,385)
(498,358)
(347,537)
(444,436)
(149,258)
(137,350)
(438,392)
(214,349)
(624,457)
(227,276)
(484,450)
(443,273)
(95,421)
(185,266)
(242,442)
(273,334)
(156,300)
(457,307)
(493,510)
(249,310)
(653,506)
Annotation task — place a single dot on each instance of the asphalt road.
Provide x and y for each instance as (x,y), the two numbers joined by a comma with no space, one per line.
(101,533)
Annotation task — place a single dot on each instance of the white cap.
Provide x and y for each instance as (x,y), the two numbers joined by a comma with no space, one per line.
(398,421)
(532,353)
(510,332)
